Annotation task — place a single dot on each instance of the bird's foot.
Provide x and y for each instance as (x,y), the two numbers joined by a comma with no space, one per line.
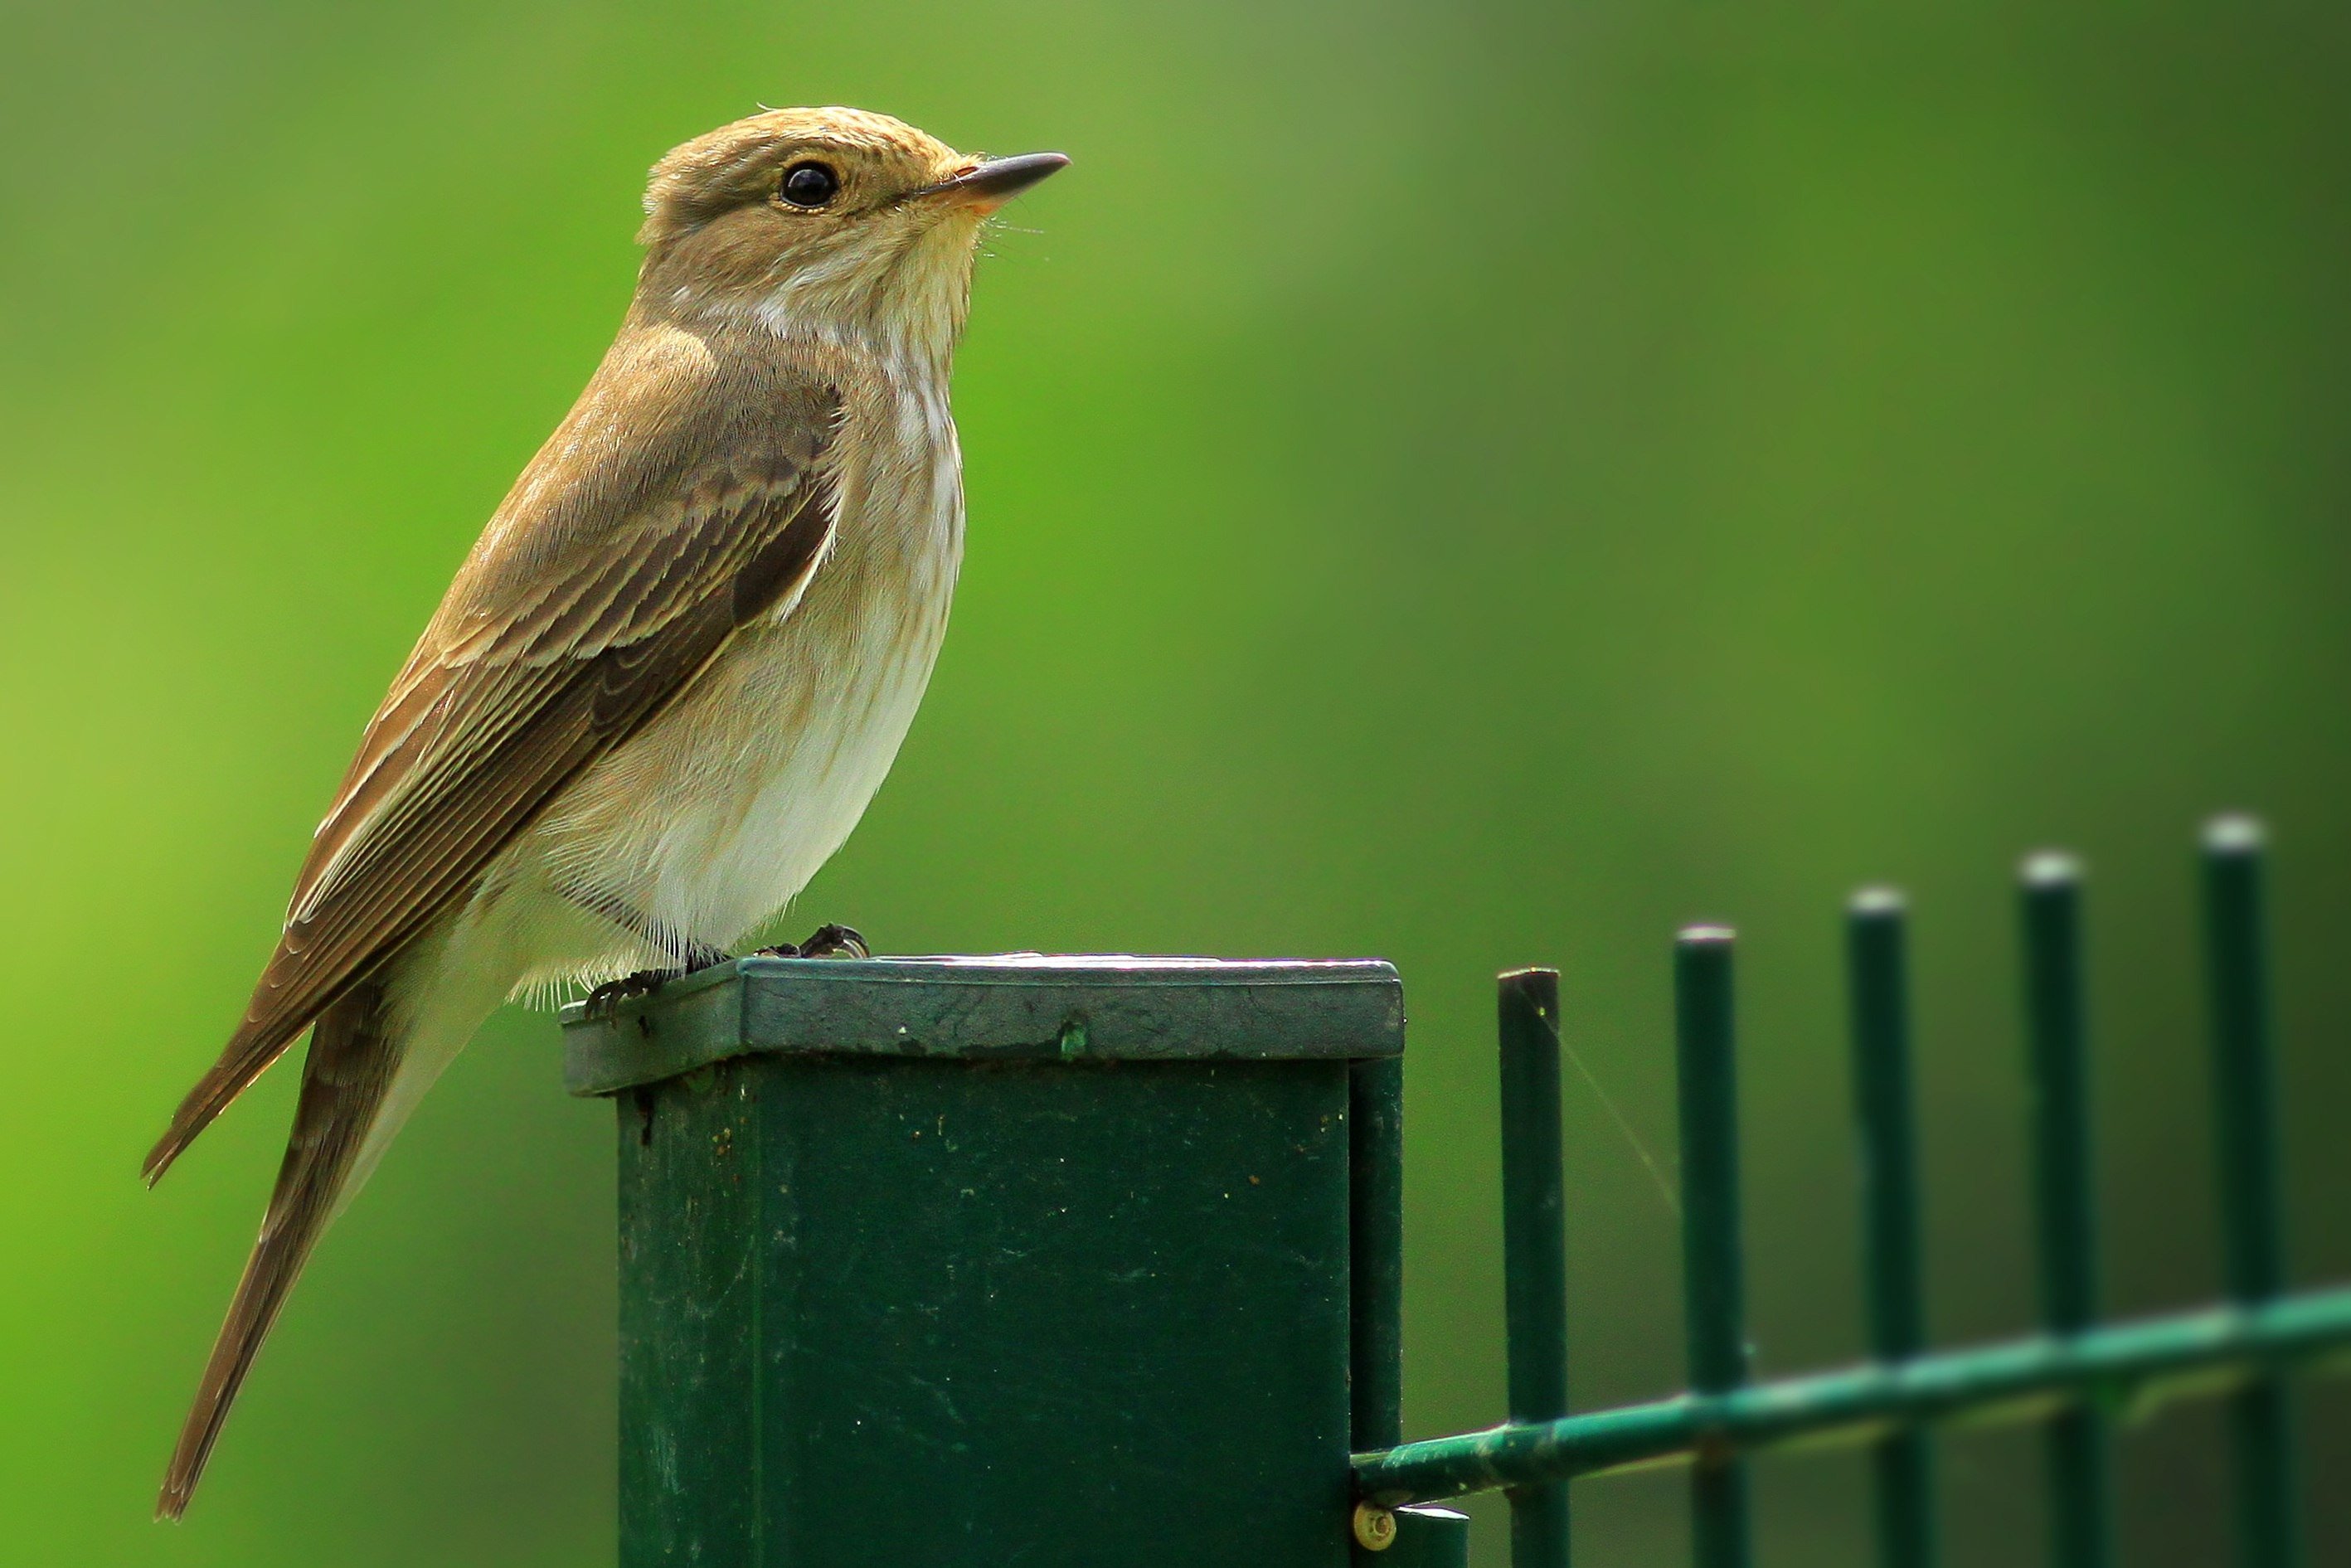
(825,942)
(645,982)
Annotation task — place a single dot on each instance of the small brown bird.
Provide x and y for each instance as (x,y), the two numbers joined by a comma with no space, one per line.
(671,674)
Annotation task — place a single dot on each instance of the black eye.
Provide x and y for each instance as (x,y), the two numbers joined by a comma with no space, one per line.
(809,186)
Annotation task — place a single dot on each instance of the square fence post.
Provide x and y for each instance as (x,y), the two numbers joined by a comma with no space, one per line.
(974,1261)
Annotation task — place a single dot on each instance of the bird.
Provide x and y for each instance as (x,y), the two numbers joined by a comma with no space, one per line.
(667,679)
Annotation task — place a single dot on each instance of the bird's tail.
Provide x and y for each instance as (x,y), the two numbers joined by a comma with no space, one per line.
(353,1057)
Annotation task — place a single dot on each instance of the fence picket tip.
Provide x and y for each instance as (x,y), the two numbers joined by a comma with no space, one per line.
(2051,868)
(1877,899)
(2234,834)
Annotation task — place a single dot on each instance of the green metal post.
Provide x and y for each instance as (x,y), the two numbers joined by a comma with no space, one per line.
(1424,1537)
(1376,1253)
(2244,1098)
(1713,1296)
(2078,1454)
(1534,1245)
(1375,1268)
(971,1262)
(1901,1465)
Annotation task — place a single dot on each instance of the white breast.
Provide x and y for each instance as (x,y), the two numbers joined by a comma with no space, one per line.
(712,818)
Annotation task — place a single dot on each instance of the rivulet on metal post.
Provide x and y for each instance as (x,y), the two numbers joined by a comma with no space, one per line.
(1064,1262)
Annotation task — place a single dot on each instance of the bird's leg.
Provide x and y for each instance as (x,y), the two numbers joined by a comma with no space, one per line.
(645,982)
(824,941)
(685,955)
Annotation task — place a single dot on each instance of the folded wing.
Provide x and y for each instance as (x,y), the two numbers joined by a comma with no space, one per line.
(600,590)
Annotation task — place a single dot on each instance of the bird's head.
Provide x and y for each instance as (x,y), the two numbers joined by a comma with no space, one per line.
(826,223)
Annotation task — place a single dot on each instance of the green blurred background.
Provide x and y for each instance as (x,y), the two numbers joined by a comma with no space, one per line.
(1475,483)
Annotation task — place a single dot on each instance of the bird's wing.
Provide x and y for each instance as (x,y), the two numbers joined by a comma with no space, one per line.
(645,533)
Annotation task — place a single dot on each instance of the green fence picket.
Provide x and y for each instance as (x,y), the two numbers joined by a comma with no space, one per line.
(1534,1245)
(2078,1450)
(2244,1100)
(1713,1295)
(1902,1474)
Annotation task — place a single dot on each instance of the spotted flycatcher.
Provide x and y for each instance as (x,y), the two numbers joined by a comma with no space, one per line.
(669,676)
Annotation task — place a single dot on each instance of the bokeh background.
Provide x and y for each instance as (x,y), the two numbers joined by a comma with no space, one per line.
(1475,483)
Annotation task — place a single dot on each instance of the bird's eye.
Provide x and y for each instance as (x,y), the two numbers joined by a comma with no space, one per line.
(809,184)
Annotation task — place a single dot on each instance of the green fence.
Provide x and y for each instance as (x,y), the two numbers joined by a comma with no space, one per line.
(1077,1262)
(2075,1378)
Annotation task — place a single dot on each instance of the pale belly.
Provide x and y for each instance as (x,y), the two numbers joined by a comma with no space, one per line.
(706,823)
(713,818)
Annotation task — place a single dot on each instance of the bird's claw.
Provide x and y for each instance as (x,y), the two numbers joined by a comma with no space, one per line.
(824,941)
(604,998)
(645,982)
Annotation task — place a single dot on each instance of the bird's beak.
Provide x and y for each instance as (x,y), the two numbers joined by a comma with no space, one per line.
(996,182)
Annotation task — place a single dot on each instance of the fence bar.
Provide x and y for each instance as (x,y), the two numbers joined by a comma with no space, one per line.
(1902,1468)
(2244,1100)
(1534,1246)
(1376,1252)
(1713,1296)
(2019,1380)
(2078,1446)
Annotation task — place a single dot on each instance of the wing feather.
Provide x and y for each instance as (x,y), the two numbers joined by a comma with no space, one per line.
(587,607)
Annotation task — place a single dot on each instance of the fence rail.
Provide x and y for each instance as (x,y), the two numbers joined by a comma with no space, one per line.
(2073,1377)
(2121,1366)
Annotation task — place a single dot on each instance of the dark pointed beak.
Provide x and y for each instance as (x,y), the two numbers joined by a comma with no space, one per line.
(997,181)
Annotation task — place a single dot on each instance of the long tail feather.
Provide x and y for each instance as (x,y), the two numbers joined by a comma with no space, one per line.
(250,1054)
(350,1064)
